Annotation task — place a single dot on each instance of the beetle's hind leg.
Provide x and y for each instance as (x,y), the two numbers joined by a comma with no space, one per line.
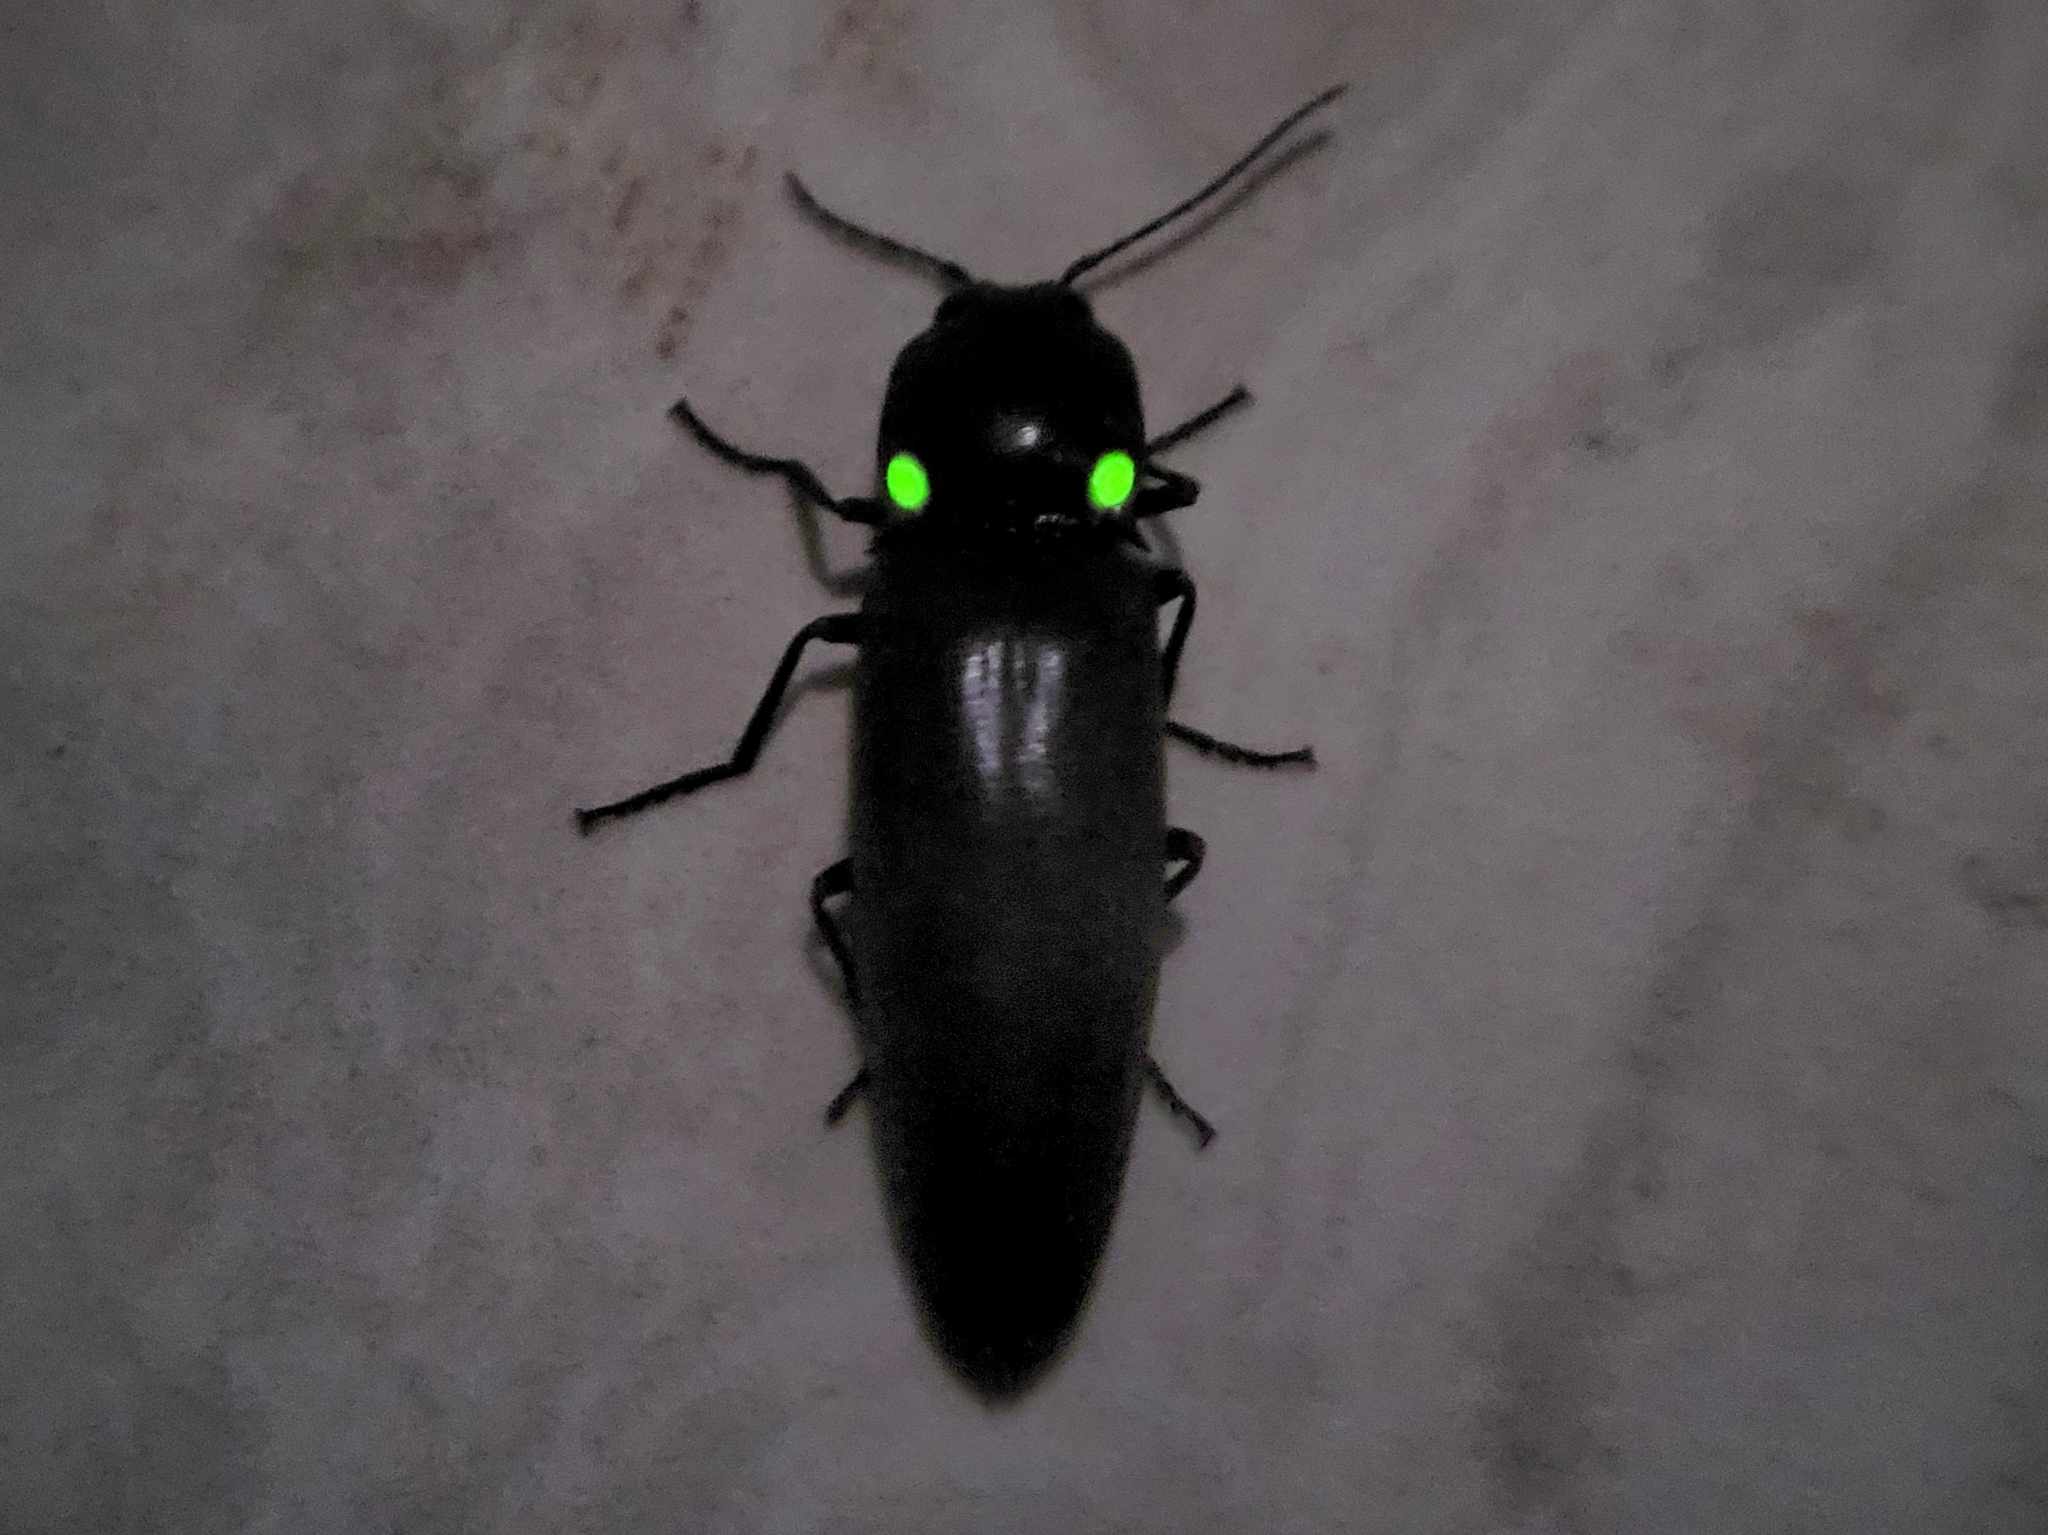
(1243,756)
(838,628)
(1178,1106)
(831,882)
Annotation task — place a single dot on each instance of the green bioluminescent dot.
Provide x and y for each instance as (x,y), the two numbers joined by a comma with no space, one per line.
(1111,481)
(909,486)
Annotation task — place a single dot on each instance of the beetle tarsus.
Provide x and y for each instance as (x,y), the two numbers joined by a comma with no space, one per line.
(1178,1106)
(1186,849)
(1243,756)
(836,628)
(844,1100)
(795,473)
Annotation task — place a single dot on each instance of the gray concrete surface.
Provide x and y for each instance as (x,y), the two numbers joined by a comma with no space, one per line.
(1629,1045)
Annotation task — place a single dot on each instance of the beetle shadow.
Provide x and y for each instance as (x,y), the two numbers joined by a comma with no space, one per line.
(1285,160)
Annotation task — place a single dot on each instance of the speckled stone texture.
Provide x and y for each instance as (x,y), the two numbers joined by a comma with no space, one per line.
(1630,1046)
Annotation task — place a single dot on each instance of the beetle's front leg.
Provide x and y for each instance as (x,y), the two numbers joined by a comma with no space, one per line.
(836,628)
(794,473)
(1170,584)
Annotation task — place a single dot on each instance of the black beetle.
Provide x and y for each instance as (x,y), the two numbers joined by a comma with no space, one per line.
(1008,819)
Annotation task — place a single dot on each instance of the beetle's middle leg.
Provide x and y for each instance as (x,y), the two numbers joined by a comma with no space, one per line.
(837,628)
(1186,849)
(837,881)
(1172,584)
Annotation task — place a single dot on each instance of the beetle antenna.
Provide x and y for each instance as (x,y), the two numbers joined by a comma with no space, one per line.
(951,273)
(1208,418)
(1096,258)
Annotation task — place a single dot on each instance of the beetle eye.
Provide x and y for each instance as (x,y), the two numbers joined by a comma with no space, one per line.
(1111,481)
(908,485)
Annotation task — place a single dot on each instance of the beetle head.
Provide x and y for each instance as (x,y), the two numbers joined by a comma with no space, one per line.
(1014,411)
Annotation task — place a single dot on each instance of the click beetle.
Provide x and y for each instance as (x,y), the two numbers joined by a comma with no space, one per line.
(1007,877)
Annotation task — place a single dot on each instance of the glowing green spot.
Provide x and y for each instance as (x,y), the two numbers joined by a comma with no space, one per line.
(909,486)
(1111,481)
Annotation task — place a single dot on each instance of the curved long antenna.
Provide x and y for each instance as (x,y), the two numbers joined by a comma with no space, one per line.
(1096,258)
(951,273)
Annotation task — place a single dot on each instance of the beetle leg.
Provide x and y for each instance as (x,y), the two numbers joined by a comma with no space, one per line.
(838,628)
(1170,583)
(1178,1106)
(837,880)
(1230,751)
(1185,848)
(1173,491)
(834,881)
(794,472)
(846,1097)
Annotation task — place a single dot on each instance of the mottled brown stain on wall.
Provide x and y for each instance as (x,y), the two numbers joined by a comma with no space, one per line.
(866,33)
(2010,886)
(2021,411)
(1708,681)
(1945,26)
(628,204)
(659,256)
(1555,1309)
(577,57)
(1519,465)
(427,209)
(1787,245)
(422,215)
